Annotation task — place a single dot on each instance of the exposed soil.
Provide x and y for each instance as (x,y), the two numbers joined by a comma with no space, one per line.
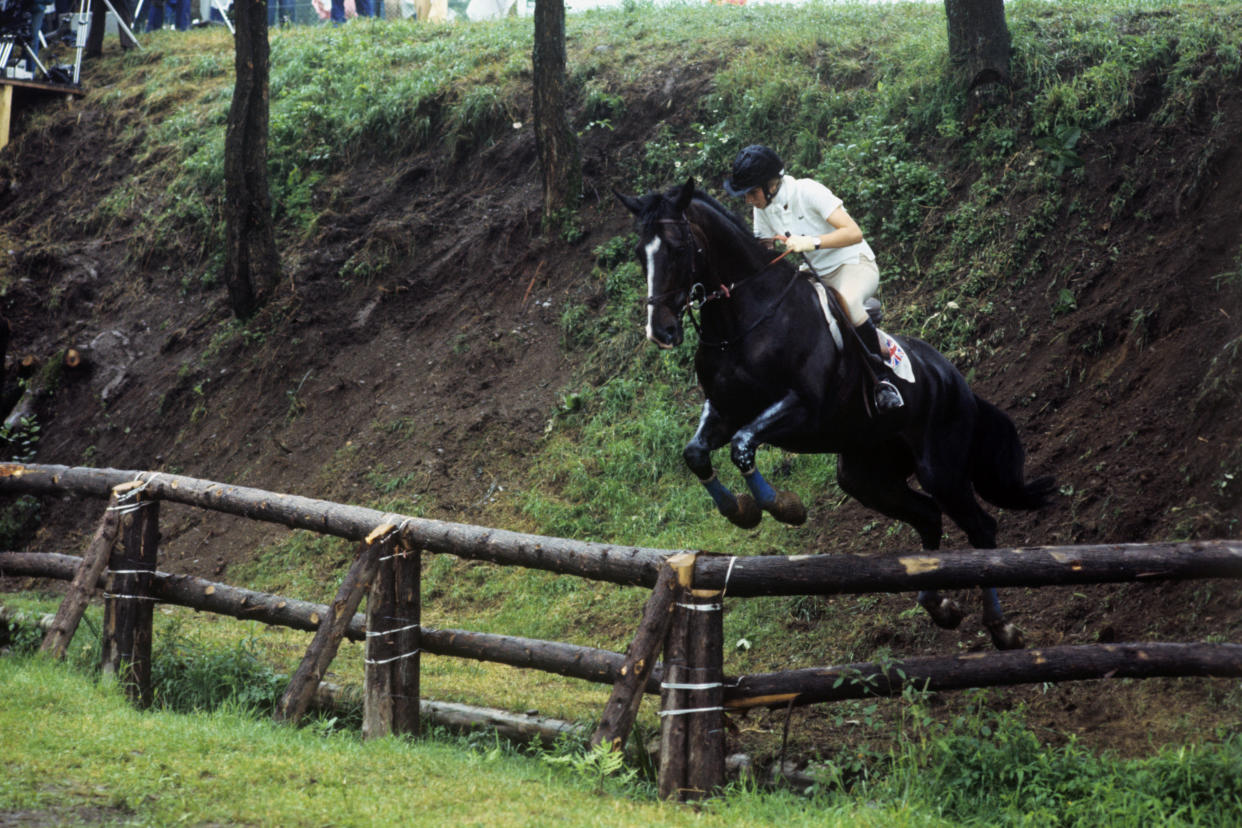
(447,367)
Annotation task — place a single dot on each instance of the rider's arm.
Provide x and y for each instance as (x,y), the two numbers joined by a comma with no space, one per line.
(844,233)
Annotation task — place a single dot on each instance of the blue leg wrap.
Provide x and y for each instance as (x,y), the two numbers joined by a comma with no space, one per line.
(764,494)
(726,503)
(991,606)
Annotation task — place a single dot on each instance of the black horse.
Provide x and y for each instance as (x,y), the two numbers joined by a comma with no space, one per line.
(775,372)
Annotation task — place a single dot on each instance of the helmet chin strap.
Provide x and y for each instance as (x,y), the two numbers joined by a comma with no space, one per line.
(767,194)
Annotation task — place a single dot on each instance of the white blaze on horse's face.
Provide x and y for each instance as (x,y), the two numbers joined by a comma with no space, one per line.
(651,249)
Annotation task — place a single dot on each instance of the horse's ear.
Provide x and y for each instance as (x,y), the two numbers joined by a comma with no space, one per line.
(632,204)
(685,195)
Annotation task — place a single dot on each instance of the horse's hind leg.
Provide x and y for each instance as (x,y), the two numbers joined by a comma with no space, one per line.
(878,481)
(960,505)
(712,433)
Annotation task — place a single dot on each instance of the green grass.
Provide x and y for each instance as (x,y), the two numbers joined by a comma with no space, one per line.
(225,765)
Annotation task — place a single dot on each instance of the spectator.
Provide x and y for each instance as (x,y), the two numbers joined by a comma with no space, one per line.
(338,10)
(180,10)
(285,12)
(99,19)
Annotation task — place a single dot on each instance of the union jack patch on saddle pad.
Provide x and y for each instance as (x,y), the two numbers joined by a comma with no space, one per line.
(896,358)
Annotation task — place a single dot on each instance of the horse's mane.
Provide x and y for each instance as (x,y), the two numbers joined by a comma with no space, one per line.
(739,225)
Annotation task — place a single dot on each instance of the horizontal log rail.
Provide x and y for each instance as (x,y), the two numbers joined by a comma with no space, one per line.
(570,660)
(636,566)
(813,685)
(633,566)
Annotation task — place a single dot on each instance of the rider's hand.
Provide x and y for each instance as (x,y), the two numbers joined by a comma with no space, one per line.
(802,244)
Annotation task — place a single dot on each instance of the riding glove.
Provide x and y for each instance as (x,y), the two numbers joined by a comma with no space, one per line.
(802,244)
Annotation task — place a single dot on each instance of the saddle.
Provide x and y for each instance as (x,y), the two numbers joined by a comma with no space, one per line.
(896,359)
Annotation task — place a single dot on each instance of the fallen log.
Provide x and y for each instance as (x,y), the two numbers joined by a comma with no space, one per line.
(75,358)
(516,727)
(813,685)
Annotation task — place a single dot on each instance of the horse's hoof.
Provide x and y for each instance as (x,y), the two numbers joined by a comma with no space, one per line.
(947,614)
(1006,636)
(788,509)
(747,515)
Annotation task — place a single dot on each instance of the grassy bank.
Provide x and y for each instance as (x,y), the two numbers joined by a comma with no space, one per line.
(77,753)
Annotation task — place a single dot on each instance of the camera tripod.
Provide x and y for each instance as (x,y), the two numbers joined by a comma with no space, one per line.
(83,19)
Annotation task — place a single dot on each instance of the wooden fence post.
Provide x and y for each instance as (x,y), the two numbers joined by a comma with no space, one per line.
(332,628)
(673,697)
(391,698)
(640,659)
(129,605)
(705,737)
(94,561)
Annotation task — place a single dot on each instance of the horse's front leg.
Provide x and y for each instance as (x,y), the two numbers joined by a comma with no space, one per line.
(787,415)
(712,433)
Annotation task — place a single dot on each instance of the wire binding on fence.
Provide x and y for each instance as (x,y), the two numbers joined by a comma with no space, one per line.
(672,685)
(371,633)
(728,574)
(689,710)
(379,661)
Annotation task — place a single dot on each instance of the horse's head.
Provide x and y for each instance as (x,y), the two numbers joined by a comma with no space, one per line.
(668,252)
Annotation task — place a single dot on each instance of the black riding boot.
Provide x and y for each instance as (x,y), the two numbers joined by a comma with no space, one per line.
(886,396)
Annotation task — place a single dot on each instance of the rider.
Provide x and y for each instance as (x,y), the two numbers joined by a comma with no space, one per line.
(809,219)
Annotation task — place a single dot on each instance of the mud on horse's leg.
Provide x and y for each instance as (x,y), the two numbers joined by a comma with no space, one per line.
(784,506)
(944,612)
(742,511)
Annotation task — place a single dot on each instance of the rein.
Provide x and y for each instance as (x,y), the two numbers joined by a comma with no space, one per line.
(698,295)
(724,344)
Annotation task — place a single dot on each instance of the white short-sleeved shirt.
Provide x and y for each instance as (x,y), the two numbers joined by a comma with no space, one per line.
(801,207)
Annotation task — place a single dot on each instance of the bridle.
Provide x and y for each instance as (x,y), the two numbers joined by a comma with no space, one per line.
(698,295)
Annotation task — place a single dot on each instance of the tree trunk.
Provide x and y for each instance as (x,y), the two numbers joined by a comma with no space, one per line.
(674,751)
(979,48)
(252,264)
(559,162)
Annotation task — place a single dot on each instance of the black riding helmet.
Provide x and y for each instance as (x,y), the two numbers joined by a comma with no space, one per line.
(754,166)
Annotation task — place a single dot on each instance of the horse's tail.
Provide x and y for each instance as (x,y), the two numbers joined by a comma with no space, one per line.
(997,463)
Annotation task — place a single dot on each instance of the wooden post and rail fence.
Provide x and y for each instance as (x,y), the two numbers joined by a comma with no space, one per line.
(681,625)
